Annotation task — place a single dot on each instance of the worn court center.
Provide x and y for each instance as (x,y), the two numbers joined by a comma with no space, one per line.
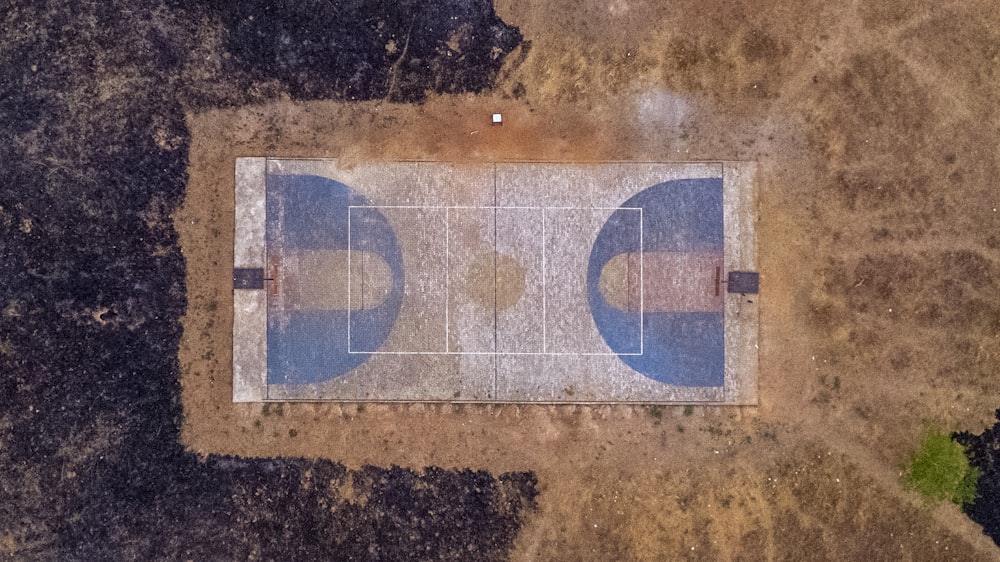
(505,282)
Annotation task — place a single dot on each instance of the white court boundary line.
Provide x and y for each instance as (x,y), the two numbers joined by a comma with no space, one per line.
(447,281)
(349,271)
(642,286)
(545,352)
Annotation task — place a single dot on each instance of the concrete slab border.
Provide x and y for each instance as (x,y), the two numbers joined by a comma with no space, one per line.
(250,305)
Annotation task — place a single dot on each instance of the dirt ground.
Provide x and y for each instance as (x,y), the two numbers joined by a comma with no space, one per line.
(875,133)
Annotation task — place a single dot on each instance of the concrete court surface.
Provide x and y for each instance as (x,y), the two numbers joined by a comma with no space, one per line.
(506,282)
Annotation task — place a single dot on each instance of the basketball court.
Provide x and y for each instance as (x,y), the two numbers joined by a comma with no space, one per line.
(507,282)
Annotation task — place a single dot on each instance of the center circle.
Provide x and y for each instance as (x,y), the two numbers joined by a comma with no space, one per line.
(495,280)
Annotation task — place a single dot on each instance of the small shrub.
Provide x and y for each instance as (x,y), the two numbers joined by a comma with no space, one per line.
(940,470)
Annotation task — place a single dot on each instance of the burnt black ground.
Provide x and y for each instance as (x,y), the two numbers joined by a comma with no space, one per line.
(984,454)
(93,153)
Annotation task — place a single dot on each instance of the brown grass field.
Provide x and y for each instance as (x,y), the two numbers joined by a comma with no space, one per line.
(875,130)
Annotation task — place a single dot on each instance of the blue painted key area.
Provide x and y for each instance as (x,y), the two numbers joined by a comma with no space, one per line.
(681,348)
(311,213)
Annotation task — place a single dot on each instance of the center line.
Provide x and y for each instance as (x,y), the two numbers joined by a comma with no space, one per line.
(496,347)
(545,346)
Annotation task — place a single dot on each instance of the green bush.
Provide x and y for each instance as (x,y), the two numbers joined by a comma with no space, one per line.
(940,470)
